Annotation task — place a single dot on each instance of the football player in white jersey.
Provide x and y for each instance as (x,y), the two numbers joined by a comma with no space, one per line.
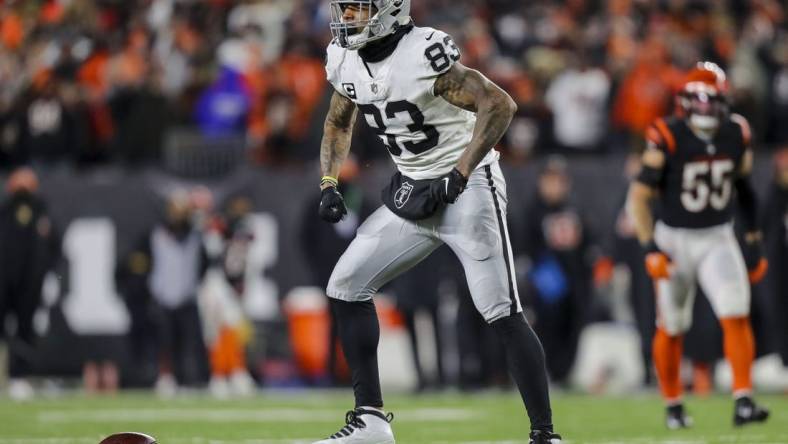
(439,121)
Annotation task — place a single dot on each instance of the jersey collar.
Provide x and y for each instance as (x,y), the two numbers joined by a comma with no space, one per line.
(378,50)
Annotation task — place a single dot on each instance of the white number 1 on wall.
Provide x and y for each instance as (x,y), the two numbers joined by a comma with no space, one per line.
(92,304)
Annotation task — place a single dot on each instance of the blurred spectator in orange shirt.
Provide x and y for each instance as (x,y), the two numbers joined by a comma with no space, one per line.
(129,68)
(646,92)
(51,12)
(94,78)
(304,77)
(12,31)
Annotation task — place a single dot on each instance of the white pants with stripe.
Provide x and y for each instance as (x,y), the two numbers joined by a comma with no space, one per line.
(474,227)
(710,257)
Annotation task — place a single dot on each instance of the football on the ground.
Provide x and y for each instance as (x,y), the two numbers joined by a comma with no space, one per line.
(129,438)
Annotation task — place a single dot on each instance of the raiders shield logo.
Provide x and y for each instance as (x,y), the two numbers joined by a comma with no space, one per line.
(403,194)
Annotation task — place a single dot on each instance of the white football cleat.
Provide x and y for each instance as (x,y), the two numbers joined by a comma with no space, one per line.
(363,426)
(20,389)
(166,386)
(242,384)
(219,387)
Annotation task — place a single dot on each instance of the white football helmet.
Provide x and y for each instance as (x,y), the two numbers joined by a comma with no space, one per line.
(390,15)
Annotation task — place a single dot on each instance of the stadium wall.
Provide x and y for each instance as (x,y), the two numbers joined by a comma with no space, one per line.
(103,213)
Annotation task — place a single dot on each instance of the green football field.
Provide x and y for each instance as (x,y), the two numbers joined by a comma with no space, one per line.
(302,416)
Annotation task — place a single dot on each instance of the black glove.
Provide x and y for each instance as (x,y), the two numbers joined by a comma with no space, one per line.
(447,188)
(332,206)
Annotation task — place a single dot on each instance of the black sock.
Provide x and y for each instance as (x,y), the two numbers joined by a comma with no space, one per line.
(526,361)
(359,332)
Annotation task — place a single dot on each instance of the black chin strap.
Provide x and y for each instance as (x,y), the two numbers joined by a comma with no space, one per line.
(378,50)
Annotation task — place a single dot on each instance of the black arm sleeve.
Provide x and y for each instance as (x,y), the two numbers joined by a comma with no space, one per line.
(650,176)
(748,203)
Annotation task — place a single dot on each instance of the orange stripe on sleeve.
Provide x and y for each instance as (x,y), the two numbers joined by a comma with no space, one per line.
(653,136)
(746,133)
(670,141)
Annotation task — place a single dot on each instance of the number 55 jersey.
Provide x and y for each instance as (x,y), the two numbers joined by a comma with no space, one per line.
(424,133)
(695,214)
(697,180)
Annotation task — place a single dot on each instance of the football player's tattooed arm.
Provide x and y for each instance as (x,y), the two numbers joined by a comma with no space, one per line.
(337,132)
(470,90)
(640,196)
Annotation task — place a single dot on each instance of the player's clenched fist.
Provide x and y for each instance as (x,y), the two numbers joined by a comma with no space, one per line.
(658,263)
(332,205)
(448,187)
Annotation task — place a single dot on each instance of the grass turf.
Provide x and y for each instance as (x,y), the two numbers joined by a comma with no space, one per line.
(302,416)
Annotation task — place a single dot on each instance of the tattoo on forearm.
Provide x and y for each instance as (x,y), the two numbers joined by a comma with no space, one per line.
(471,91)
(491,123)
(337,132)
(341,112)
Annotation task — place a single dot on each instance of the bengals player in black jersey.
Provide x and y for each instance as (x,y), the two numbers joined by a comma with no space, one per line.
(696,163)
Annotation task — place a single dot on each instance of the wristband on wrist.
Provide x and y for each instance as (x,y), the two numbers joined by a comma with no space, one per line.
(329,180)
(651,247)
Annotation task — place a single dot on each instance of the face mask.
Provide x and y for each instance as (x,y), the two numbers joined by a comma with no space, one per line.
(704,123)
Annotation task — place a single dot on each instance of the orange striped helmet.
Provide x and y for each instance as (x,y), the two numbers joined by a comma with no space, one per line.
(703,95)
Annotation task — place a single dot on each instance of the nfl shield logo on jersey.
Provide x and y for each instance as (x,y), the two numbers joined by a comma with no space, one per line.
(403,194)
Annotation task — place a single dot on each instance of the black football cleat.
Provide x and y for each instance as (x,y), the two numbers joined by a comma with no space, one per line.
(676,418)
(544,437)
(746,411)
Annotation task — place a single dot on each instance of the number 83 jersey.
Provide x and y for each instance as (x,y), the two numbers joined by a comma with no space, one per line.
(696,187)
(424,133)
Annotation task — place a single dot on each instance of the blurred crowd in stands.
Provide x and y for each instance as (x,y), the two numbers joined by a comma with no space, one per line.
(104,81)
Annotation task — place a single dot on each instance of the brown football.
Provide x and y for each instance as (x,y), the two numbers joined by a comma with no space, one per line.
(129,438)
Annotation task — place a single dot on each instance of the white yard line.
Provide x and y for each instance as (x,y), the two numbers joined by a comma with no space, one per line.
(478,442)
(203,440)
(68,440)
(196,440)
(647,441)
(749,439)
(241,415)
(744,439)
